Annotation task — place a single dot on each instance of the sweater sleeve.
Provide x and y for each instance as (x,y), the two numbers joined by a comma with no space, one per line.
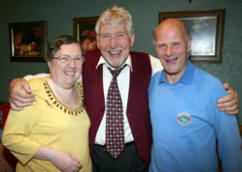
(39,75)
(229,140)
(16,134)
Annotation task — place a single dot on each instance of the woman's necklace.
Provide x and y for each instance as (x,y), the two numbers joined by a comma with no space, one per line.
(68,96)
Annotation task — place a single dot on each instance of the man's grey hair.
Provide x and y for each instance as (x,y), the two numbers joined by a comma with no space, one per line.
(115,15)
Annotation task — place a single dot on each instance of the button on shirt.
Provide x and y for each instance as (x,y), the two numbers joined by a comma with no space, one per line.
(123,83)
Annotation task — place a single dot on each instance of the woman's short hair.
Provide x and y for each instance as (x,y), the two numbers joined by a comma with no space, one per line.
(55,45)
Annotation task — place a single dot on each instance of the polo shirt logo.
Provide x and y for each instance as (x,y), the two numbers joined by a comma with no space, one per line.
(183,118)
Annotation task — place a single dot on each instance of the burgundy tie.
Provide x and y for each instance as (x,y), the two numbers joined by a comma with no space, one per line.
(114,118)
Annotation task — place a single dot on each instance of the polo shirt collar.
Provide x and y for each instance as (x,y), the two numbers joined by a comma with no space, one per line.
(186,78)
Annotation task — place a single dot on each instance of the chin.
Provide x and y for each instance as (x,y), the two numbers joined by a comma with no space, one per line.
(116,65)
(119,62)
(170,71)
(70,80)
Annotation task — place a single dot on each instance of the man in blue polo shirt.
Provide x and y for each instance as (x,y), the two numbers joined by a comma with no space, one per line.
(184,116)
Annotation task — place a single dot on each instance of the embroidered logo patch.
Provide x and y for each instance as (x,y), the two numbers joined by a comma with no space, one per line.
(183,118)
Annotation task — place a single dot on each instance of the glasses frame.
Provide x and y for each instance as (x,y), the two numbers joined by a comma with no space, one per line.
(66,59)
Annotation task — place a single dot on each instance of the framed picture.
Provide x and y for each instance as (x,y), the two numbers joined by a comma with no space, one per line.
(206,31)
(27,41)
(84,31)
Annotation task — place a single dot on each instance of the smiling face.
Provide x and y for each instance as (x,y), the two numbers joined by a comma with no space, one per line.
(65,73)
(171,46)
(114,43)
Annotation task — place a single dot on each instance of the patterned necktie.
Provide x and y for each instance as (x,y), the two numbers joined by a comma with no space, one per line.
(114,118)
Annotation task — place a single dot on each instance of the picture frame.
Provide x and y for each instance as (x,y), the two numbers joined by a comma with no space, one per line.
(27,41)
(206,31)
(84,32)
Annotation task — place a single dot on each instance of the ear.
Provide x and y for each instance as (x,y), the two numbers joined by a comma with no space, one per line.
(132,39)
(189,44)
(98,44)
(49,64)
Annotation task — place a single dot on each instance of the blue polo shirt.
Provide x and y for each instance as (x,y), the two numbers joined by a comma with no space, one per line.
(186,124)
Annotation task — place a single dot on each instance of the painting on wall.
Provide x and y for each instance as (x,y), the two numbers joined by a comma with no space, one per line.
(27,41)
(84,31)
(206,33)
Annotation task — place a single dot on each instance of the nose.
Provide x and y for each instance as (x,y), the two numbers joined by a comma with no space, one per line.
(112,42)
(168,50)
(72,62)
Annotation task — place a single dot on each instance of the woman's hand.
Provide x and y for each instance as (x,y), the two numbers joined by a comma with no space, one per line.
(66,161)
(63,160)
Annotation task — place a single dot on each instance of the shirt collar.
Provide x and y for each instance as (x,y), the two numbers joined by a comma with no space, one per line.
(128,62)
(186,78)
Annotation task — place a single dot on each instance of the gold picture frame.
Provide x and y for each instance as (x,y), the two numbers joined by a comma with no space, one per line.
(27,41)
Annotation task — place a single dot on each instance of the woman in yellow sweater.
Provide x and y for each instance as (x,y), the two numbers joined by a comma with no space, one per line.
(52,134)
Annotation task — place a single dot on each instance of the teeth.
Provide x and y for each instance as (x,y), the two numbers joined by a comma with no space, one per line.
(171,60)
(70,73)
(114,52)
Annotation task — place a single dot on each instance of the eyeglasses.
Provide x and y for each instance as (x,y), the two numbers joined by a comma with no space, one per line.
(173,45)
(67,59)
